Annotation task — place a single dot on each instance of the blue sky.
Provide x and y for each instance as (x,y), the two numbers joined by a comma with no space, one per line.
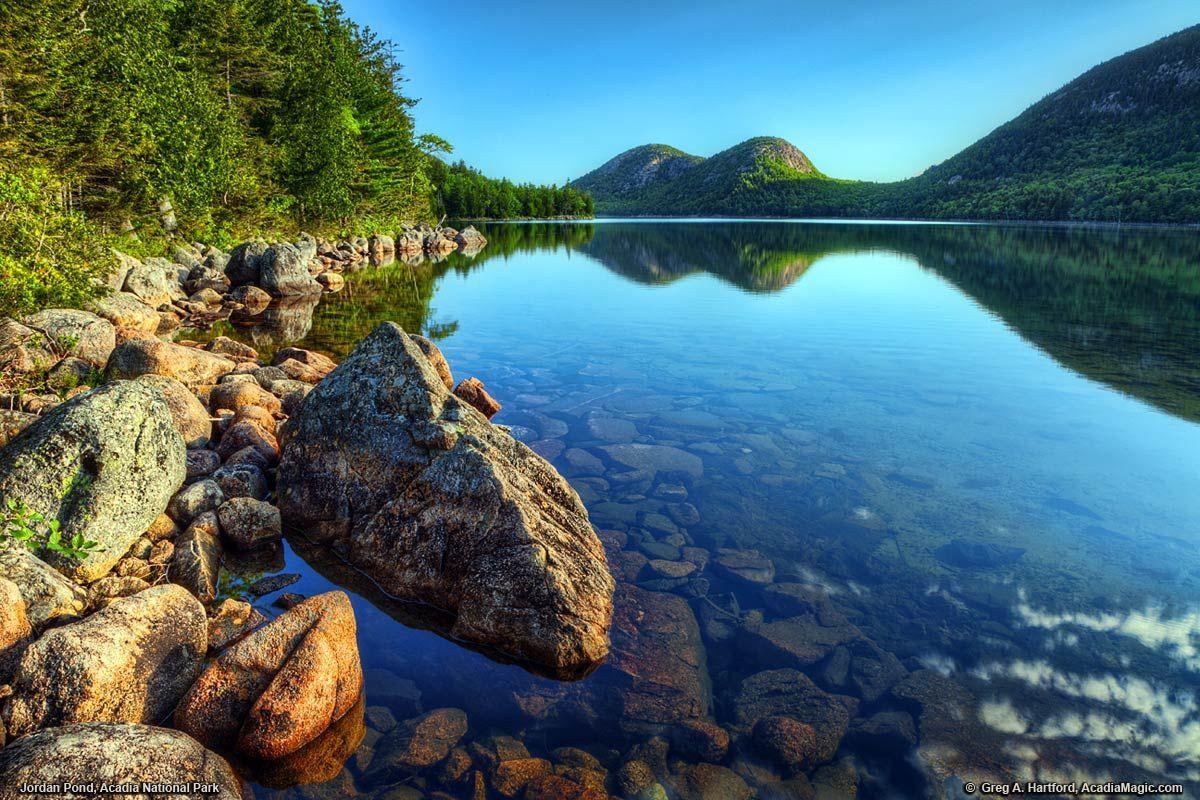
(545,91)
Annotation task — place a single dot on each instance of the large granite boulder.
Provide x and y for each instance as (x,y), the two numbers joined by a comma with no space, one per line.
(81,334)
(283,270)
(49,598)
(116,754)
(420,491)
(190,416)
(188,365)
(125,310)
(103,464)
(155,281)
(282,686)
(129,662)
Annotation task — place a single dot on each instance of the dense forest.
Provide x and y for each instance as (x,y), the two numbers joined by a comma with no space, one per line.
(219,119)
(465,193)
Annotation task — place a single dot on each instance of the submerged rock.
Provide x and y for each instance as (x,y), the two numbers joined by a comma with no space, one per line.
(280,687)
(130,662)
(104,464)
(417,743)
(437,505)
(115,754)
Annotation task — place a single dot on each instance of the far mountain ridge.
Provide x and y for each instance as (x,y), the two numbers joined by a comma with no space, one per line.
(1121,142)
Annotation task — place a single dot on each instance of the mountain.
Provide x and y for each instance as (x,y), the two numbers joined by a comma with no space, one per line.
(624,176)
(1120,142)
(661,179)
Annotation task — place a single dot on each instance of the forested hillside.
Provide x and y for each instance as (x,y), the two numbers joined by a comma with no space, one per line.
(214,119)
(1119,143)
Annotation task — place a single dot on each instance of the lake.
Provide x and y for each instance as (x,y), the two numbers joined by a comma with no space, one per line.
(928,494)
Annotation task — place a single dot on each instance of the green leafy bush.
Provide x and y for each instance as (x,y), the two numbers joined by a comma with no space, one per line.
(49,255)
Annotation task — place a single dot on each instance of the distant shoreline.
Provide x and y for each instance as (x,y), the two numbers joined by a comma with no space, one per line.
(860,221)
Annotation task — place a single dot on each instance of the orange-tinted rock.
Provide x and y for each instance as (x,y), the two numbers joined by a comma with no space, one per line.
(556,787)
(471,390)
(436,359)
(281,686)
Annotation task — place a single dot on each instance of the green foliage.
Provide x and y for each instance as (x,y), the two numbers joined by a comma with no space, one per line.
(246,114)
(31,529)
(49,254)
(465,193)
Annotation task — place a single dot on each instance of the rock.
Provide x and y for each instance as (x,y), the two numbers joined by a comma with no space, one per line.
(106,590)
(248,522)
(130,662)
(318,365)
(711,782)
(440,506)
(700,739)
(15,630)
(231,348)
(104,464)
(470,239)
(379,247)
(416,744)
(253,299)
(556,787)
(196,562)
(189,414)
(116,754)
(247,435)
(242,480)
(230,621)
(192,501)
(513,775)
(746,566)
(283,272)
(787,741)
(49,597)
(188,365)
(243,393)
(125,310)
(24,350)
(203,278)
(70,373)
(790,693)
(244,263)
(81,334)
(331,281)
(436,359)
(798,641)
(156,281)
(886,732)
(271,584)
(581,462)
(12,423)
(654,458)
(658,660)
(318,768)
(611,429)
(206,297)
(280,687)
(202,463)
(471,390)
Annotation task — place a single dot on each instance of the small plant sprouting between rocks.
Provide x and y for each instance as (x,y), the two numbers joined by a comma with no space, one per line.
(25,526)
